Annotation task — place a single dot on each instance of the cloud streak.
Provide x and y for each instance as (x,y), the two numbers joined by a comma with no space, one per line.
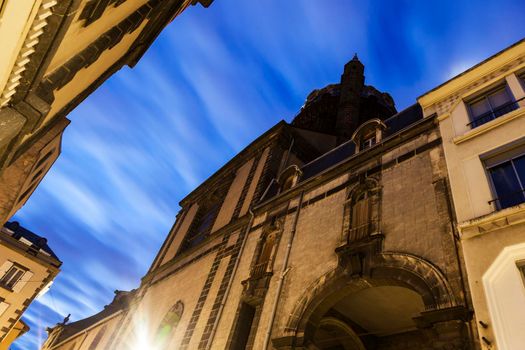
(214,80)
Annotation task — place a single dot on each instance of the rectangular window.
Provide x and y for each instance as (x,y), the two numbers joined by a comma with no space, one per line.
(507,174)
(201,226)
(360,218)
(491,105)
(12,276)
(368,142)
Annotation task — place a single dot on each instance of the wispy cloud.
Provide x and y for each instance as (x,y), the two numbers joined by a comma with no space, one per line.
(214,80)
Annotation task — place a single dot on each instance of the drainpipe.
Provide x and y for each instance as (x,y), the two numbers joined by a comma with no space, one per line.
(230,282)
(284,271)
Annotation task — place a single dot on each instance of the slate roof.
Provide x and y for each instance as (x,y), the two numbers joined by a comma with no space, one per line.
(394,124)
(15,230)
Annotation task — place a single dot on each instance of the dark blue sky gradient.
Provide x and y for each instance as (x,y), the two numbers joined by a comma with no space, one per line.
(214,80)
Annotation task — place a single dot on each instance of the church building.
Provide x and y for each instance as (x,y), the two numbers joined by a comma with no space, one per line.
(334,231)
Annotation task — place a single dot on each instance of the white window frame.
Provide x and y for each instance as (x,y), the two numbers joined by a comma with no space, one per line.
(20,282)
(483,95)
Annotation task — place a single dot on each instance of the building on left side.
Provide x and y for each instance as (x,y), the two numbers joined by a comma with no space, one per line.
(53,55)
(27,269)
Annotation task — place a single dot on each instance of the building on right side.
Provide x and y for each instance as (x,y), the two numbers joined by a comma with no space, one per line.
(481,115)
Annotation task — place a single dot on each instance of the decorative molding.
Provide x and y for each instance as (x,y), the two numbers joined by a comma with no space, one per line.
(32,39)
(492,222)
(65,73)
(94,9)
(520,112)
(506,258)
(501,61)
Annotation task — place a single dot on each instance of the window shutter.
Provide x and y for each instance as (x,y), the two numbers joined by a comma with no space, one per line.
(3,307)
(22,282)
(5,266)
(360,218)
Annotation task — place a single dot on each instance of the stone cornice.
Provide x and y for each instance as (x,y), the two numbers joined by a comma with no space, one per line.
(28,48)
(484,68)
(492,222)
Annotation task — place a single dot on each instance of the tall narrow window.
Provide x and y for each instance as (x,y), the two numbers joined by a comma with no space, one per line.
(168,325)
(491,105)
(361,217)
(267,252)
(360,220)
(201,226)
(243,327)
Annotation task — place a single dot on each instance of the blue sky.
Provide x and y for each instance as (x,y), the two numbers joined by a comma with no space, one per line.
(213,81)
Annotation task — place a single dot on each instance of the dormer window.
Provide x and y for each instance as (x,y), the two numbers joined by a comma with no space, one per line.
(368,140)
(490,105)
(368,134)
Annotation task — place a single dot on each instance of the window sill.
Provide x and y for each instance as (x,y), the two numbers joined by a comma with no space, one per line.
(491,222)
(490,125)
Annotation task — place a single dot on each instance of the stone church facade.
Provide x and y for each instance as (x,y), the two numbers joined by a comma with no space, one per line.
(334,231)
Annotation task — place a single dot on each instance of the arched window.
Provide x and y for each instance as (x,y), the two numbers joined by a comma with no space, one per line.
(168,325)
(361,217)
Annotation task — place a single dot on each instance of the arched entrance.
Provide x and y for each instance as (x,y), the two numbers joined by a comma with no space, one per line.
(376,302)
(335,334)
(369,318)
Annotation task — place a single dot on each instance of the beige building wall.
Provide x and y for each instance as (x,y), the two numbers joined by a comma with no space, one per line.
(487,232)
(19,329)
(39,272)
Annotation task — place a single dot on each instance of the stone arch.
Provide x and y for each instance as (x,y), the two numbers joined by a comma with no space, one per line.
(350,335)
(384,269)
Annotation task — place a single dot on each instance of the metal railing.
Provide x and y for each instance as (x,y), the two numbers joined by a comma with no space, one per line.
(495,113)
(518,196)
(259,270)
